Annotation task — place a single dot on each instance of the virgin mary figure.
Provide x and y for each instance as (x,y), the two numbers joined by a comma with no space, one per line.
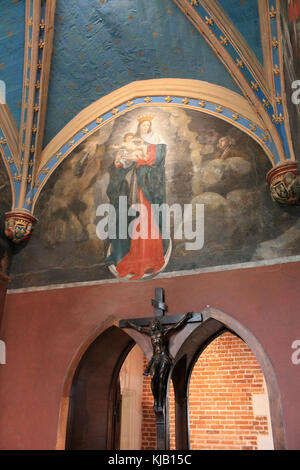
(138,173)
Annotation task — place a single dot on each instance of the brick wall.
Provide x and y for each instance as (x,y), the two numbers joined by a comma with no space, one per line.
(148,416)
(220,398)
(223,382)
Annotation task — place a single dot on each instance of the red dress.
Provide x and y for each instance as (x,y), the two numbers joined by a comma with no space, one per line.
(146,250)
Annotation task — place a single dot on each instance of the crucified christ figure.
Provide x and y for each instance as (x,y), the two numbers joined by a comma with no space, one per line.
(161,362)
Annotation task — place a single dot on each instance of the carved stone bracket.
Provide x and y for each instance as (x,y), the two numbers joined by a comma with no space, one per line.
(19,225)
(284,181)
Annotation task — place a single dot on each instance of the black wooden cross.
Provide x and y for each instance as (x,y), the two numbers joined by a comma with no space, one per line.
(161,363)
(159,311)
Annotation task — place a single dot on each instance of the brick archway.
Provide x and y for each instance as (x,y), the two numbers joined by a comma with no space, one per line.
(227,399)
(195,341)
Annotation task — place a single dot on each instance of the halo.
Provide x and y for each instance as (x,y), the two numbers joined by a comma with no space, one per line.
(145,117)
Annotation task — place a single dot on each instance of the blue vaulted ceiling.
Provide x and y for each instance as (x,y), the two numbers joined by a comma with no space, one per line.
(112,43)
(244,15)
(12,39)
(101,45)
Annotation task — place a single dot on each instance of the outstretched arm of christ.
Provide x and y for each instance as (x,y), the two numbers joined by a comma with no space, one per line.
(140,329)
(180,323)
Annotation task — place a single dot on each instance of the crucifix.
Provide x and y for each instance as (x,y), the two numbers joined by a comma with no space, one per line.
(161,363)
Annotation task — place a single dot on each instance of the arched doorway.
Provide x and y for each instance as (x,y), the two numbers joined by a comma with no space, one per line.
(94,410)
(94,405)
(215,324)
(228,402)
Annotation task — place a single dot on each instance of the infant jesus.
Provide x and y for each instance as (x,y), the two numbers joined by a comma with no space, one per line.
(130,150)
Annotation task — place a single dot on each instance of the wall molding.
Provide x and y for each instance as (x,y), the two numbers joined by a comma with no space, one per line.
(165,275)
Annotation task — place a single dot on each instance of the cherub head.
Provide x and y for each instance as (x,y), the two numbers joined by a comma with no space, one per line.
(128,137)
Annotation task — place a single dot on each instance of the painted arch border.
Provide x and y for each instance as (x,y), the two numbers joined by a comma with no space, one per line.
(190,94)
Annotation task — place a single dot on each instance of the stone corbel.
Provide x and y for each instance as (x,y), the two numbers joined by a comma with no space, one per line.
(284,181)
(19,225)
